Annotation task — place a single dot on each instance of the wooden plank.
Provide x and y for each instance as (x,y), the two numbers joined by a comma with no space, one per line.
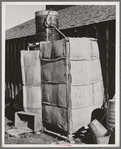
(15,67)
(19,66)
(10,70)
(7,75)
(8,66)
(12,67)
(96,30)
(6,63)
(107,60)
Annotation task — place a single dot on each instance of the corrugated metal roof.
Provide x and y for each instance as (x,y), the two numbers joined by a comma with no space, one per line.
(74,16)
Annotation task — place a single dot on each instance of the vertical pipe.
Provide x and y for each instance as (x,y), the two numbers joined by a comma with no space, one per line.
(107,60)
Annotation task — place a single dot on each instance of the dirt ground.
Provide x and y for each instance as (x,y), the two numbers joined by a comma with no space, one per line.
(34,138)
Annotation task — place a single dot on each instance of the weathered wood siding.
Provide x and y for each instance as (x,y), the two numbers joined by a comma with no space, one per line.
(13,77)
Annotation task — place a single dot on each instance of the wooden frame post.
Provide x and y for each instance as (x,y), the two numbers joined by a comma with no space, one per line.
(107,60)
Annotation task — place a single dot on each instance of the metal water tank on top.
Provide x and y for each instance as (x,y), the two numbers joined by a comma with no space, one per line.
(43,31)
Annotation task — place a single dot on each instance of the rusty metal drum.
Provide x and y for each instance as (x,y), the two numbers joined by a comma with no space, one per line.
(43,31)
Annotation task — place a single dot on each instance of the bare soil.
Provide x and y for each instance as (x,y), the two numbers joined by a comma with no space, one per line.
(33,138)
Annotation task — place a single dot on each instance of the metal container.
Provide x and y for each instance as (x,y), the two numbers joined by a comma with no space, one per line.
(43,31)
(110,118)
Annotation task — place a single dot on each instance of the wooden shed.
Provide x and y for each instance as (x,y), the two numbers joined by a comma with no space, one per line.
(95,21)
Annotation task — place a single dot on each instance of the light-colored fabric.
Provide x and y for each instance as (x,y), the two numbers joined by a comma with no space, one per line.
(30,66)
(55,116)
(52,50)
(32,99)
(82,116)
(54,94)
(88,95)
(83,49)
(85,72)
(54,71)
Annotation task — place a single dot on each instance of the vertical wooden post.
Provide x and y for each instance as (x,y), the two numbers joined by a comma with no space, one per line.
(24,43)
(96,31)
(107,60)
(68,89)
(9,67)
(12,67)
(5,64)
(67,85)
(87,31)
(15,61)
(19,64)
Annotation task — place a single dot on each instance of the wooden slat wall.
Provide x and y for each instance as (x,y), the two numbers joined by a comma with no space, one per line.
(104,32)
(13,78)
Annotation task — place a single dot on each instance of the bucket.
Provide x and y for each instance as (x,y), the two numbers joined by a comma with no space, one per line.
(97,128)
(110,119)
(99,133)
(43,32)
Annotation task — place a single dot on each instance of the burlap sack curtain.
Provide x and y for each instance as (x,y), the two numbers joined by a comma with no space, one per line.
(54,85)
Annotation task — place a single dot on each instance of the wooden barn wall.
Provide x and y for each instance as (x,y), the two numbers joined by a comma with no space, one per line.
(13,77)
(105,34)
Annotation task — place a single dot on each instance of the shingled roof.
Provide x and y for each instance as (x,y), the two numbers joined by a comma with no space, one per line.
(74,16)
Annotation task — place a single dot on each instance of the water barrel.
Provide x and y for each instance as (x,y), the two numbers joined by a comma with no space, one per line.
(43,32)
(110,118)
